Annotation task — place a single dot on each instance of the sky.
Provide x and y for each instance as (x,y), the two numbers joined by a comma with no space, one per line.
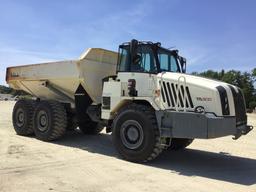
(212,34)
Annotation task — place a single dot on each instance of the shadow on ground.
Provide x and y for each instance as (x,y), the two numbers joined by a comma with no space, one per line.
(189,162)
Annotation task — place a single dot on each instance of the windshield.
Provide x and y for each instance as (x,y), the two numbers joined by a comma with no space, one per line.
(167,61)
(146,58)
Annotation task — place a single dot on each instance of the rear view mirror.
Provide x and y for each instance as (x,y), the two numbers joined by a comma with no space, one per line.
(183,64)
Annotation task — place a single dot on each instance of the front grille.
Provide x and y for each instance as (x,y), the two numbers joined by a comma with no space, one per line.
(224,100)
(240,108)
(174,96)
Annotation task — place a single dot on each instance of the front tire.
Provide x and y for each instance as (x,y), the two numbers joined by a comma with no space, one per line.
(135,133)
(50,120)
(22,117)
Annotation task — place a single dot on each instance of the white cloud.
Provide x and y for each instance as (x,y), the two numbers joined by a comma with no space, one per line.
(18,57)
(15,57)
(108,30)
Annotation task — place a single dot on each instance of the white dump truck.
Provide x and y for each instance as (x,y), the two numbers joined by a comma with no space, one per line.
(141,94)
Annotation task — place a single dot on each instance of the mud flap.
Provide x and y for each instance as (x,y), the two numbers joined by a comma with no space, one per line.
(82,102)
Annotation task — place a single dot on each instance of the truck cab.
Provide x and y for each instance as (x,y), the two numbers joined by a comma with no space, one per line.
(151,79)
(139,63)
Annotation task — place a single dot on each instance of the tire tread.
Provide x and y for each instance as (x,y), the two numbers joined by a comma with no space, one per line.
(150,114)
(30,109)
(59,119)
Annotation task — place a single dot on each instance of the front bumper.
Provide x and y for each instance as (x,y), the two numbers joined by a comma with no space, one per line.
(174,124)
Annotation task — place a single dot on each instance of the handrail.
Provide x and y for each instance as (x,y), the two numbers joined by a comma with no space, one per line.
(161,82)
(185,94)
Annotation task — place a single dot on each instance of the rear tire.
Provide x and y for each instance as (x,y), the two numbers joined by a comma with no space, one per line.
(89,127)
(180,143)
(50,120)
(135,133)
(22,117)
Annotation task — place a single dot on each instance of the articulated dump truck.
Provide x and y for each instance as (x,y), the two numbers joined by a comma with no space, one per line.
(141,94)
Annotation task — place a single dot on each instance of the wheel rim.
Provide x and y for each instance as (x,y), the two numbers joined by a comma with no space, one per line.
(20,117)
(131,134)
(42,121)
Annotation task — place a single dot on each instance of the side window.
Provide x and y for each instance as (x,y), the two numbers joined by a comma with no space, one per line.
(164,60)
(167,62)
(123,60)
(144,60)
(174,67)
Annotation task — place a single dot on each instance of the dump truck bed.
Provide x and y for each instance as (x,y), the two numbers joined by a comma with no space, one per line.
(65,76)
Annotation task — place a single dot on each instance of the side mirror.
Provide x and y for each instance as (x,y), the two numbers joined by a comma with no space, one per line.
(183,63)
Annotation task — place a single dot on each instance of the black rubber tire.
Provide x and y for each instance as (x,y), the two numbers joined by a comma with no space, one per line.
(56,120)
(180,143)
(26,107)
(150,146)
(89,127)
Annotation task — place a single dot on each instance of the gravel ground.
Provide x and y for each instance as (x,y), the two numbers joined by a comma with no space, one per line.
(90,163)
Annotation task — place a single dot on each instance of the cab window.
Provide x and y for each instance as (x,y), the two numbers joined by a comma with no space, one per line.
(167,61)
(143,61)
(123,59)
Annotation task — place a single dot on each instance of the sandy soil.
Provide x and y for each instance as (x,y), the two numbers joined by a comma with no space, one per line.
(90,163)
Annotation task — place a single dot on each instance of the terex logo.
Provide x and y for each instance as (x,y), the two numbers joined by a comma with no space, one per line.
(203,98)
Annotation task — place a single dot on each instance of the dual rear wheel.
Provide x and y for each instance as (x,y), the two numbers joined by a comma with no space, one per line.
(48,120)
(22,117)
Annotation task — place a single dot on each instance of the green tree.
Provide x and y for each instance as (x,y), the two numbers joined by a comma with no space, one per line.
(244,80)
(254,74)
(210,74)
(8,90)
(252,105)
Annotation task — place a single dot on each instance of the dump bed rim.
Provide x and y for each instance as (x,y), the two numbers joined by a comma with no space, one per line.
(50,62)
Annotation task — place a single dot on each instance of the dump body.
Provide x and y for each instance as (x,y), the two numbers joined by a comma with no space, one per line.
(88,70)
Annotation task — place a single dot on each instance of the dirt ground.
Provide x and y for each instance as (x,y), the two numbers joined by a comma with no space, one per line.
(90,163)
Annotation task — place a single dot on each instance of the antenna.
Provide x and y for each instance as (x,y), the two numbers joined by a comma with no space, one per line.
(171,47)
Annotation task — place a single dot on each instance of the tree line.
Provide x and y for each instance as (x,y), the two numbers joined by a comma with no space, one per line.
(244,80)
(9,90)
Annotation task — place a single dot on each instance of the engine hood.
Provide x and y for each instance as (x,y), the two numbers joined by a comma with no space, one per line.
(193,79)
(199,91)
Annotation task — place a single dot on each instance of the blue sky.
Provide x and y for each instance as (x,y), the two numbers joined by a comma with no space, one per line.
(211,34)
